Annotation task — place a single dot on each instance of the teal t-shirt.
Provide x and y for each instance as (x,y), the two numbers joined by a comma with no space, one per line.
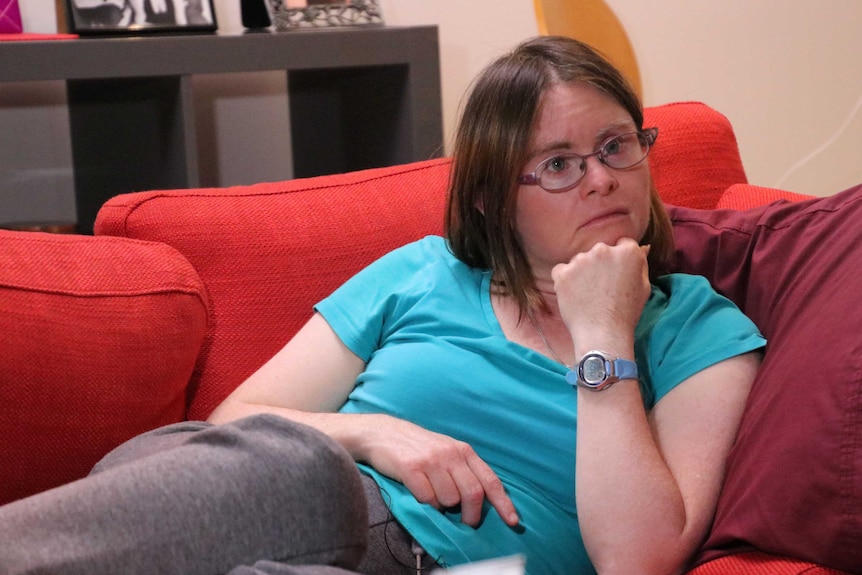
(437,356)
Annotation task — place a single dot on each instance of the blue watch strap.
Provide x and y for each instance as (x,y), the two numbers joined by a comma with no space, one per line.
(625,369)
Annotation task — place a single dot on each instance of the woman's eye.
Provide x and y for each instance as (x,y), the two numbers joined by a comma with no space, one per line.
(557,164)
(615,146)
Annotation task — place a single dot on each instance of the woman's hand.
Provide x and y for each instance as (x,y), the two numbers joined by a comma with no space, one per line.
(602,292)
(437,469)
(311,378)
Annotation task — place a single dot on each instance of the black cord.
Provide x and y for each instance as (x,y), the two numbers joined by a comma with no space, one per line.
(415,548)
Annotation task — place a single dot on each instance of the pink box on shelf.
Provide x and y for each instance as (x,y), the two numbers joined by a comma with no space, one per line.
(10,17)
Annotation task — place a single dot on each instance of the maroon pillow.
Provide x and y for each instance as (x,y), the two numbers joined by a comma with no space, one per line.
(794,483)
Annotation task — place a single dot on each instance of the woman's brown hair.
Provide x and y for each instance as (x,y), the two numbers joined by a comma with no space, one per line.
(491,147)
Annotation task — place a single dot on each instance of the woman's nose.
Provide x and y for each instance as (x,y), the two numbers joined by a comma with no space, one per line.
(598,177)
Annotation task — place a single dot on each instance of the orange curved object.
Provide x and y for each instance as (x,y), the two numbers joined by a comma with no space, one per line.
(593,22)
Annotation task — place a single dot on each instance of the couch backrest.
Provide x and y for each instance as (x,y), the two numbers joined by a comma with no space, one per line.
(267,253)
(696,157)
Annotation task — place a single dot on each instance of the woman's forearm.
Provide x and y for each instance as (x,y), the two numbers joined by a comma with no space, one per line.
(349,430)
(647,485)
(631,511)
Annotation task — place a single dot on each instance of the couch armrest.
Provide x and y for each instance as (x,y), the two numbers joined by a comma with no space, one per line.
(696,157)
(99,339)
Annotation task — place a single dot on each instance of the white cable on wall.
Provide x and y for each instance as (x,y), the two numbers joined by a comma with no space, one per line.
(823,147)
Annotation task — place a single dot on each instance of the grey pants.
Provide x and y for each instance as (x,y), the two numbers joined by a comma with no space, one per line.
(261,495)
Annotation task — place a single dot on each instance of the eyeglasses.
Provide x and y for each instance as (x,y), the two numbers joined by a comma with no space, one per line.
(563,172)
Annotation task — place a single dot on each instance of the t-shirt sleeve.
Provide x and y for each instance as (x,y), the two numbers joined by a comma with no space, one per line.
(687,327)
(360,310)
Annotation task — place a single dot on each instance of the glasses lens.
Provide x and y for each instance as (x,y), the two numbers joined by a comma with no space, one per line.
(620,152)
(560,172)
(625,150)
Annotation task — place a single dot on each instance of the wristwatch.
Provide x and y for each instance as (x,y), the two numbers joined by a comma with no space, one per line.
(597,371)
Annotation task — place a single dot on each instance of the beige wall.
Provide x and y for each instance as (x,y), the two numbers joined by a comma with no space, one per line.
(786,73)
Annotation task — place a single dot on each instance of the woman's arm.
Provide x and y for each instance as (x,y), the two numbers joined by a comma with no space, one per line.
(314,372)
(647,486)
(310,378)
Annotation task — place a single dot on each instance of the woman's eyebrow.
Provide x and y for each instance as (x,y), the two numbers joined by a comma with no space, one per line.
(613,129)
(552,147)
(608,131)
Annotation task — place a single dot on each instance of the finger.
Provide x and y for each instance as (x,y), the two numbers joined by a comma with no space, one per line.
(556,272)
(494,491)
(421,488)
(471,493)
(626,241)
(446,489)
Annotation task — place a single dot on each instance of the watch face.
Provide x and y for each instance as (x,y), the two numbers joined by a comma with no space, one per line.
(593,370)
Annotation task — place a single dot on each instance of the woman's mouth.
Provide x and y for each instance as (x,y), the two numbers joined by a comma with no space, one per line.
(603,218)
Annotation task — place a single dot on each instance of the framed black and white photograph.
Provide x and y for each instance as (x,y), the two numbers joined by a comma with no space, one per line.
(120,17)
(293,14)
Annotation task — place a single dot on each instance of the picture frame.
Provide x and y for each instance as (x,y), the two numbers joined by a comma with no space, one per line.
(138,17)
(297,14)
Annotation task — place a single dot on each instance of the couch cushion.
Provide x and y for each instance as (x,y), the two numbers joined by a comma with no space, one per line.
(696,157)
(794,484)
(267,253)
(98,340)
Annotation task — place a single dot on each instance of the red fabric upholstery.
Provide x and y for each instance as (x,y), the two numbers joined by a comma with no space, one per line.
(267,253)
(755,563)
(100,337)
(794,483)
(746,196)
(695,158)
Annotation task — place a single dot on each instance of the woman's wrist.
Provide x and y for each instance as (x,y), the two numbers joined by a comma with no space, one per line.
(618,344)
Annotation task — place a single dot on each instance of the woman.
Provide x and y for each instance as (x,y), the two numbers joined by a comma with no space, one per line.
(547,267)
(531,385)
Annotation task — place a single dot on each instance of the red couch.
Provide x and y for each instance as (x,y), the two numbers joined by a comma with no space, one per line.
(182,294)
